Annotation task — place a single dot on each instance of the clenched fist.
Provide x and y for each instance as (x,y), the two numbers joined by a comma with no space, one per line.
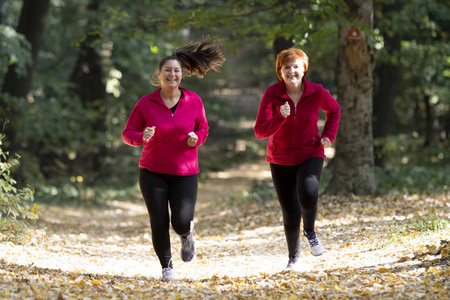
(192,139)
(325,142)
(285,110)
(148,133)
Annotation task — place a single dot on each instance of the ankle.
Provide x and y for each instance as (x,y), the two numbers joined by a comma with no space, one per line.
(308,231)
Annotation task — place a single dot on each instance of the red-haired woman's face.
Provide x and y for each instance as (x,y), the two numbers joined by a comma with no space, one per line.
(293,72)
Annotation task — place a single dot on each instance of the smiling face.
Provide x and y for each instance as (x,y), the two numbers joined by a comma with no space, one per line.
(170,74)
(288,59)
(293,72)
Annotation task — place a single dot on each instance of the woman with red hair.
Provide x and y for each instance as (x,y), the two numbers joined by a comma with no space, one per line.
(288,115)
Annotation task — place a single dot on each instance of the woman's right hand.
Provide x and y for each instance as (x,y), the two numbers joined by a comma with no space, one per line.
(285,110)
(148,133)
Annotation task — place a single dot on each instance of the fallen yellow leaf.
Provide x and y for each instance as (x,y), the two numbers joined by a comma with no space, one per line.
(198,284)
(338,288)
(95,282)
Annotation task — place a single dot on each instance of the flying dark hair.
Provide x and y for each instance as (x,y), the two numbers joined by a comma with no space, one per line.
(196,58)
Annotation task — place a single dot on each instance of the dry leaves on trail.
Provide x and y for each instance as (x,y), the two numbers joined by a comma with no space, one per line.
(376,248)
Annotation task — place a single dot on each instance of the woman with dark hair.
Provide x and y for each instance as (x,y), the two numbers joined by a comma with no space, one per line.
(288,116)
(171,123)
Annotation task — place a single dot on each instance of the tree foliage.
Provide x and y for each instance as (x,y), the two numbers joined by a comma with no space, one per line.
(60,132)
(423,28)
(15,50)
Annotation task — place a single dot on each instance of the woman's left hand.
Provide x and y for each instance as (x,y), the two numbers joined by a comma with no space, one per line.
(192,139)
(325,142)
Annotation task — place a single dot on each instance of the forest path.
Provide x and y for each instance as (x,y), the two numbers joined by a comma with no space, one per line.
(76,253)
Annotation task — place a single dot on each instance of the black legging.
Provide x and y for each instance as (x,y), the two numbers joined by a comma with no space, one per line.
(159,191)
(297,188)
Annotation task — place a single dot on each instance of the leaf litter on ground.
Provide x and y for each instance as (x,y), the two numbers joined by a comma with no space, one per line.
(376,248)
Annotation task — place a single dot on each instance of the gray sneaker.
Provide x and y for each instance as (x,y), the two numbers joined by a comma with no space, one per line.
(314,245)
(168,274)
(187,246)
(293,264)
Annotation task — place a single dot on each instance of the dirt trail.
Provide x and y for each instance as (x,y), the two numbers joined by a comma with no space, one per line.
(241,250)
(116,239)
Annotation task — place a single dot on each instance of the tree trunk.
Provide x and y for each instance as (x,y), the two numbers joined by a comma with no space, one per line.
(89,86)
(388,74)
(353,170)
(383,103)
(445,135)
(1,14)
(281,43)
(31,25)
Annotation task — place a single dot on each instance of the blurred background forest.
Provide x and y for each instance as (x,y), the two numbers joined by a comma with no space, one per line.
(72,70)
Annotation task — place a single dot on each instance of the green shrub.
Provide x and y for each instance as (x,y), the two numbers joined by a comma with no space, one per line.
(412,168)
(14,203)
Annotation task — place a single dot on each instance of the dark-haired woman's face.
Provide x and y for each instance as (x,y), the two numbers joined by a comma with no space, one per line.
(170,74)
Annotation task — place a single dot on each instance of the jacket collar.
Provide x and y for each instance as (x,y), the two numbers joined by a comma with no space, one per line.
(156,95)
(280,89)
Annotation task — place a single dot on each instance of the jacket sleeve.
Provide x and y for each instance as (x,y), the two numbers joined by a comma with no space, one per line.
(134,129)
(267,123)
(201,125)
(333,114)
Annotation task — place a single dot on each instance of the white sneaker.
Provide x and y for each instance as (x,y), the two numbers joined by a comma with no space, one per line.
(293,264)
(168,274)
(314,245)
(188,246)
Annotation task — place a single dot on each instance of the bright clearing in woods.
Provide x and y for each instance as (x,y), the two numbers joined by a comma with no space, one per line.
(376,248)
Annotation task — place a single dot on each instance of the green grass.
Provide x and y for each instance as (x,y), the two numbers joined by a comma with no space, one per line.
(418,226)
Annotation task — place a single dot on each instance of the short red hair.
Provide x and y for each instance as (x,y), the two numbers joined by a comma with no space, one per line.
(290,55)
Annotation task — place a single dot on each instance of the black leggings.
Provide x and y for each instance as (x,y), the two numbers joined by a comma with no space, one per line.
(159,191)
(297,188)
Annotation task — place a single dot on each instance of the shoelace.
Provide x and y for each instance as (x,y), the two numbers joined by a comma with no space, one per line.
(187,243)
(313,241)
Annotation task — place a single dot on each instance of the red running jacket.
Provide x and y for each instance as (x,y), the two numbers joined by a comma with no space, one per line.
(294,139)
(167,151)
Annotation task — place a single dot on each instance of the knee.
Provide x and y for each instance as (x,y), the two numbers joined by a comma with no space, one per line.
(180,227)
(309,193)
